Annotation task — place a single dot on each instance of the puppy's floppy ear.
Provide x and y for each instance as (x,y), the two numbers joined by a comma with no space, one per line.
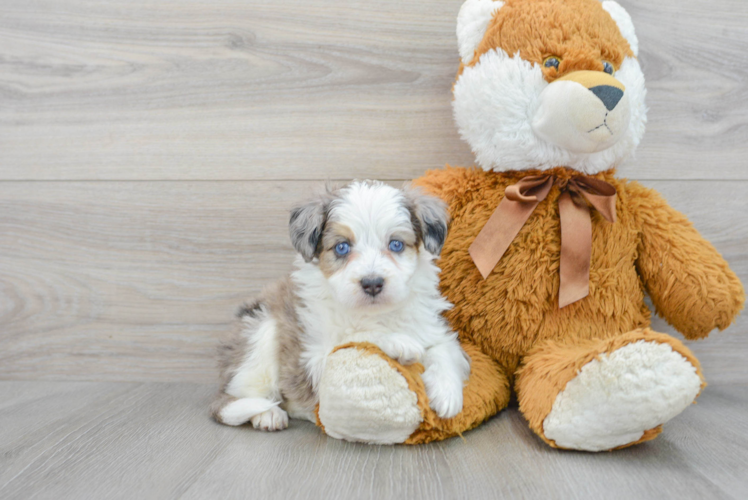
(306,225)
(430,219)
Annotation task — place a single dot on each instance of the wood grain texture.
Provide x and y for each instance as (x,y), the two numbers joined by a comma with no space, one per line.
(154,440)
(120,280)
(311,89)
(133,281)
(149,153)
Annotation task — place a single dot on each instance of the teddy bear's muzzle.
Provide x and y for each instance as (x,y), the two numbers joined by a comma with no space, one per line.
(583,112)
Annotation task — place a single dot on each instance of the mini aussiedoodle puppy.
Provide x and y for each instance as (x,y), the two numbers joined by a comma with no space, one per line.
(365,273)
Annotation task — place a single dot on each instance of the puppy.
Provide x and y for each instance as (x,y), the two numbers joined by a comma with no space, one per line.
(365,273)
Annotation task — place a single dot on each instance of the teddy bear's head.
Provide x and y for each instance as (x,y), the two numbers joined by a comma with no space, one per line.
(548,83)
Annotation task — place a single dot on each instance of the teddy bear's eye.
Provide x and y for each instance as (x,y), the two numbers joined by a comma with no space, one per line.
(608,68)
(552,62)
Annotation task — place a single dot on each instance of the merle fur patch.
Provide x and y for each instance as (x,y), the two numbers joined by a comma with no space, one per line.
(430,219)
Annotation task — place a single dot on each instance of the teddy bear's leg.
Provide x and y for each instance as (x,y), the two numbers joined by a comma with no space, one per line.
(363,397)
(366,396)
(603,394)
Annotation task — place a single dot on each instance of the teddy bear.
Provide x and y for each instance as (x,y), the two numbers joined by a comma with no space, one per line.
(550,254)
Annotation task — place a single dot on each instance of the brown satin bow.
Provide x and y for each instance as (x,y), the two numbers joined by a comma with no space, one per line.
(576,227)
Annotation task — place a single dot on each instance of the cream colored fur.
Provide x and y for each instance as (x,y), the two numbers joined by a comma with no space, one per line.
(472,22)
(361,398)
(616,398)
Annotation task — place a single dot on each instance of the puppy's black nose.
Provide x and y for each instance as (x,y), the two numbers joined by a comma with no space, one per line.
(608,94)
(372,285)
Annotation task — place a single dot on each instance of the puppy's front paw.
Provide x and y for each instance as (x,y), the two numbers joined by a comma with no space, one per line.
(402,348)
(275,419)
(445,393)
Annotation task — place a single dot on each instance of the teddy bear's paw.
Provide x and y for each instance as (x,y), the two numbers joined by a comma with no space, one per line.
(402,348)
(363,398)
(275,419)
(444,393)
(616,398)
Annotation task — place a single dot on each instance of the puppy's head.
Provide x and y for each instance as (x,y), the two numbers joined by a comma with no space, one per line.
(370,240)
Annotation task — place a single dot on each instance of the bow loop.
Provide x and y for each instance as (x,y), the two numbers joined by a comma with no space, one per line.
(519,202)
(530,189)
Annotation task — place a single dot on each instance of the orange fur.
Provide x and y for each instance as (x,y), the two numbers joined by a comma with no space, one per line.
(487,391)
(514,316)
(650,248)
(578,32)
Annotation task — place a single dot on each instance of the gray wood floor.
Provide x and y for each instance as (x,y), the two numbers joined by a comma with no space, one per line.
(149,152)
(153,440)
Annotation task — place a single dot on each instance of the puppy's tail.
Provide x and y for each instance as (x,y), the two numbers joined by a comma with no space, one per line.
(232,411)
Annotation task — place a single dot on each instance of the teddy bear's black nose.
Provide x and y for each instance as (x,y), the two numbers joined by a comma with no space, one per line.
(609,95)
(372,285)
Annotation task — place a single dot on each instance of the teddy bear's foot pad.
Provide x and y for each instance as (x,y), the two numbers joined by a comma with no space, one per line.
(363,398)
(619,396)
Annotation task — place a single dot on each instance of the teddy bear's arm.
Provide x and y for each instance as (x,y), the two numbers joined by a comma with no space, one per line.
(689,282)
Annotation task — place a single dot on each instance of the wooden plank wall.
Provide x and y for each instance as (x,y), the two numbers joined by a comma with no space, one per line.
(149,152)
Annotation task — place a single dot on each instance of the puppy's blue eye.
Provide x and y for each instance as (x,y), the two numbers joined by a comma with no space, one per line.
(396,246)
(342,249)
(608,68)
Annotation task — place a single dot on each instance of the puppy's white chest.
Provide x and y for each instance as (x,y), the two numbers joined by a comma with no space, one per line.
(363,332)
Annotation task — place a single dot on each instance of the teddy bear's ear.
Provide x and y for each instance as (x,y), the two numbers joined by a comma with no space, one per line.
(472,22)
(625,25)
